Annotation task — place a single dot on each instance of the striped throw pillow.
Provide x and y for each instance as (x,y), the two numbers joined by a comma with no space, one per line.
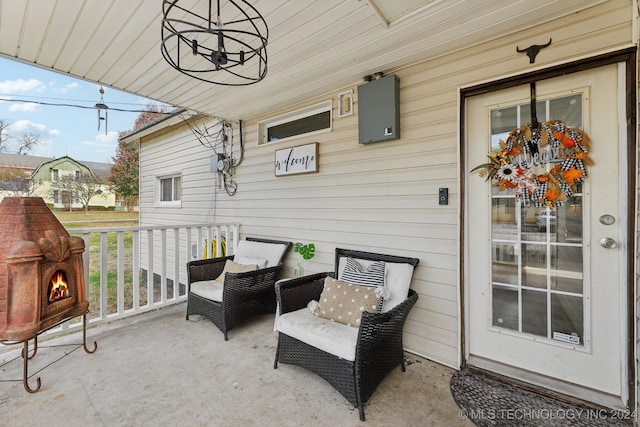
(356,274)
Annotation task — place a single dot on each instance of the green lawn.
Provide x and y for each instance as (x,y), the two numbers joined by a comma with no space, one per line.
(98,220)
(112,278)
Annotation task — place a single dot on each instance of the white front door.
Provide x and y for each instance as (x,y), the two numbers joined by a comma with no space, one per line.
(545,290)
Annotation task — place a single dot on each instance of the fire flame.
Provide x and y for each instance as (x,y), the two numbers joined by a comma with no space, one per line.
(59,288)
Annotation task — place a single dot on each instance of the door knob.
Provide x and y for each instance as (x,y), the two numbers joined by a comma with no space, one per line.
(608,243)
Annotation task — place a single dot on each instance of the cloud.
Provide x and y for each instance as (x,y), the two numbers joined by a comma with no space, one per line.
(22,126)
(28,126)
(27,107)
(103,143)
(21,85)
(69,87)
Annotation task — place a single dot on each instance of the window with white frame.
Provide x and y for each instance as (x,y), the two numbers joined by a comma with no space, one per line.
(54,175)
(169,190)
(305,121)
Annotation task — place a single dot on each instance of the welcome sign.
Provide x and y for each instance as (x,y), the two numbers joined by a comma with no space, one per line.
(297,160)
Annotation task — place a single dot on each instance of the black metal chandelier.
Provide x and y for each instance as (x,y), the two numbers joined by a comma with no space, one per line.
(200,44)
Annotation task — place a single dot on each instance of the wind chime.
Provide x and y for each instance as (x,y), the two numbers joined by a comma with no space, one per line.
(531,148)
(102,106)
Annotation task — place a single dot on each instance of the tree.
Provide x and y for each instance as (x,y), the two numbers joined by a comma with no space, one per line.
(17,183)
(27,141)
(4,136)
(81,187)
(152,113)
(124,176)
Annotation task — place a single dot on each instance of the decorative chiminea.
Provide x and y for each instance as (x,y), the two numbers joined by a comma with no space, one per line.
(41,274)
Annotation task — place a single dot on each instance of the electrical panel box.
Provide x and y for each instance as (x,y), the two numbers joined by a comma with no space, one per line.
(379,110)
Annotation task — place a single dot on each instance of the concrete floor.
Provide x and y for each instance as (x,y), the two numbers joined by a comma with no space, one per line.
(158,369)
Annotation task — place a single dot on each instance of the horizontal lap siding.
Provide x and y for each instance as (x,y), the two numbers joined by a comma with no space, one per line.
(380,197)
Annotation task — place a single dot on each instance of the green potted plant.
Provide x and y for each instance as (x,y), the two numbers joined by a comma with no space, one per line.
(306,252)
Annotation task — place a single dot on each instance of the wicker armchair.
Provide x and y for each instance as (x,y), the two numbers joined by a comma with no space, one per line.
(243,294)
(378,339)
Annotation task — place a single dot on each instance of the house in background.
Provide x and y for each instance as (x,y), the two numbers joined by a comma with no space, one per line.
(45,170)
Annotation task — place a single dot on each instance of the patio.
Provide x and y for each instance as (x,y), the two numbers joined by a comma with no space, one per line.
(158,369)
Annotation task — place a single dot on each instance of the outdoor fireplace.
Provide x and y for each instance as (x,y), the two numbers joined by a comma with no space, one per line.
(41,274)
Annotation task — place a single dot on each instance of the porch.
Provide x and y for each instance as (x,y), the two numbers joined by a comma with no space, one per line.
(152,367)
(158,369)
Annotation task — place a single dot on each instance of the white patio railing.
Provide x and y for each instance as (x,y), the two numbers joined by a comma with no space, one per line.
(130,270)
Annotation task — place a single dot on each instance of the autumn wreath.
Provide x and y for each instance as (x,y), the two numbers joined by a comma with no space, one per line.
(527,151)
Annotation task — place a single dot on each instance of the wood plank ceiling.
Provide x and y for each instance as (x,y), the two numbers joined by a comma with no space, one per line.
(315,46)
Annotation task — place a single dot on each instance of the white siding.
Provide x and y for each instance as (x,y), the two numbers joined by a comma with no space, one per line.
(380,197)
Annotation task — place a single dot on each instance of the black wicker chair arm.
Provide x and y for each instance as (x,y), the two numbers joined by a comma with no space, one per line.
(253,273)
(253,280)
(375,328)
(294,294)
(205,269)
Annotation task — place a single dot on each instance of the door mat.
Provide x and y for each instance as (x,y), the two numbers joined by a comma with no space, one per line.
(489,402)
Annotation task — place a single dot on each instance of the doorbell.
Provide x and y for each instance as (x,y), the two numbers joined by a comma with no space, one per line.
(443,196)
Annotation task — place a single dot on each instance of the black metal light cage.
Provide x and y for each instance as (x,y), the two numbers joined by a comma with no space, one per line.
(200,44)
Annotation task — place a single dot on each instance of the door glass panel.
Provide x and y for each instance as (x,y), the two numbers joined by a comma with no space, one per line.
(567,108)
(505,307)
(534,269)
(534,312)
(567,317)
(541,111)
(566,269)
(504,268)
(570,220)
(537,260)
(503,217)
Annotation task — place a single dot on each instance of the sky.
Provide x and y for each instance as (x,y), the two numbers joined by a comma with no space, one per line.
(63,130)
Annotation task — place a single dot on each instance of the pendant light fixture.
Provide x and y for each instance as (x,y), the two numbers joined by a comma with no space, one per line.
(221,42)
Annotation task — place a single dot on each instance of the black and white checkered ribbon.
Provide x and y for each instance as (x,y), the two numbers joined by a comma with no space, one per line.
(566,189)
(538,195)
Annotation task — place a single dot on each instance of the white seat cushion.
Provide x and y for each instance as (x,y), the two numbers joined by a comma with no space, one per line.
(209,289)
(331,337)
(272,252)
